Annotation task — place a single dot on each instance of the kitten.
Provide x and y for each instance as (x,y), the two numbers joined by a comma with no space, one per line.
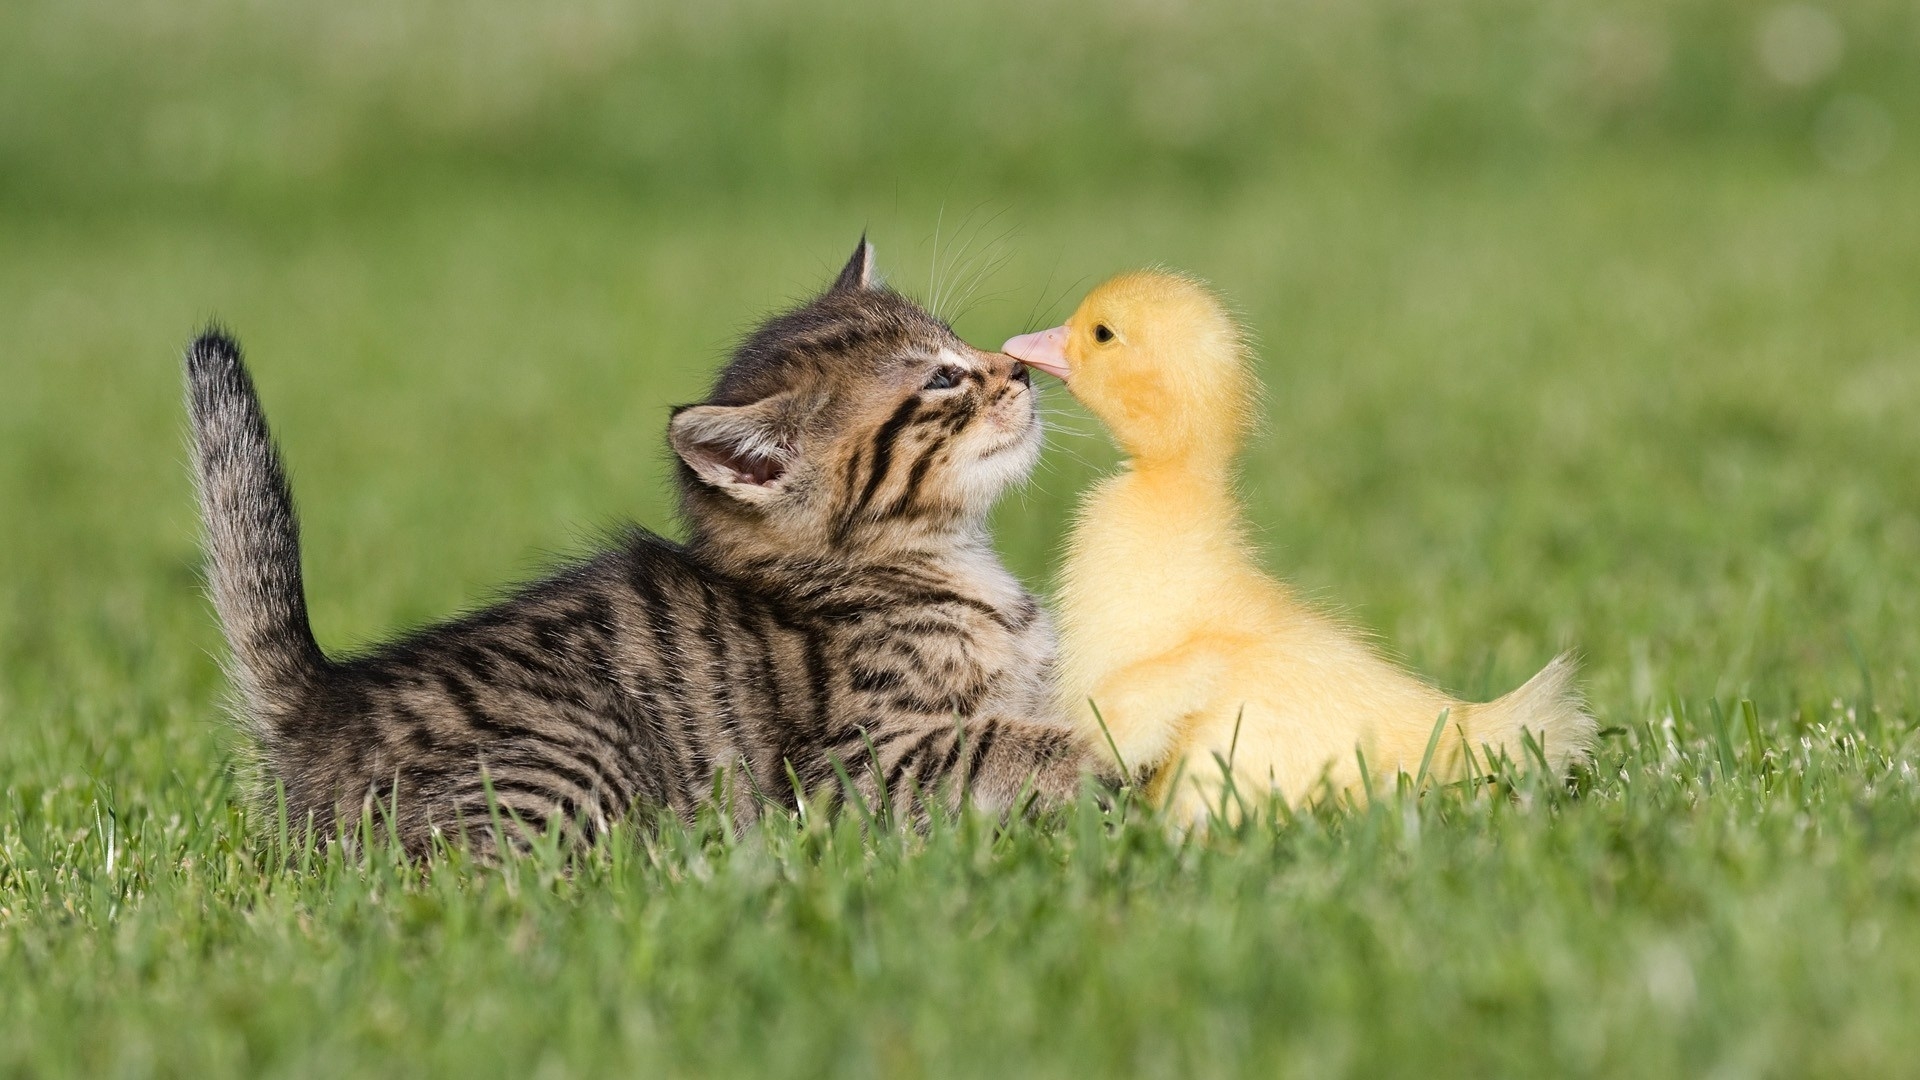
(836,608)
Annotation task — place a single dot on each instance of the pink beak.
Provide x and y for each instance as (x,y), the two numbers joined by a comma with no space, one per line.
(1046,350)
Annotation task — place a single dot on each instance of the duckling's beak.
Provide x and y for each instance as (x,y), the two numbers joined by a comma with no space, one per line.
(1046,350)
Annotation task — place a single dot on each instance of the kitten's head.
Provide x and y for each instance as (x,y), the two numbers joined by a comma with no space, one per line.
(856,419)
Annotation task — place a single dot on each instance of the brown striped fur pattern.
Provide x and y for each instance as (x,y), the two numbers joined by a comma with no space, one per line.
(836,612)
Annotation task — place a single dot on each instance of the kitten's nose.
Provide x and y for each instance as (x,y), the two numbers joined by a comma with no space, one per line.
(1020,374)
(1046,350)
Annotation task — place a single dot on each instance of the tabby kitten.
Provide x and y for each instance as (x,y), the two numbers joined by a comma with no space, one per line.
(836,610)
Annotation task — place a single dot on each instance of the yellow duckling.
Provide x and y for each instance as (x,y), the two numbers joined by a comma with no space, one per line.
(1191,654)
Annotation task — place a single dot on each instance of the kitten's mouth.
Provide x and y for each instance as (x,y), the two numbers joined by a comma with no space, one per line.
(1029,434)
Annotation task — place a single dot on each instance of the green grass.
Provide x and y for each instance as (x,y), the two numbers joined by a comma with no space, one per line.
(1580,330)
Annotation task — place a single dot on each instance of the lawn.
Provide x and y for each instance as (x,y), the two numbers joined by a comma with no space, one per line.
(1583,327)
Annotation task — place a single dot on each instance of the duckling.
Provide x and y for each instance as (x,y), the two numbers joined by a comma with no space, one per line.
(1197,663)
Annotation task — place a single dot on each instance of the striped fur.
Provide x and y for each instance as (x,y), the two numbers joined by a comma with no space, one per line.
(836,611)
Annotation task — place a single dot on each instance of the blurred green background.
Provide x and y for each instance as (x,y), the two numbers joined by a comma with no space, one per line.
(1585,325)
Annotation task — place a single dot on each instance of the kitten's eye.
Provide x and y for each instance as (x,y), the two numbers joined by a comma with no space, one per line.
(1102,334)
(945,378)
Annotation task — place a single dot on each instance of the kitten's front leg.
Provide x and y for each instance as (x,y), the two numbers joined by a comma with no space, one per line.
(1044,763)
(995,764)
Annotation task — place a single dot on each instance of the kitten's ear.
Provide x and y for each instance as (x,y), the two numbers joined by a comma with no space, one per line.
(738,449)
(858,273)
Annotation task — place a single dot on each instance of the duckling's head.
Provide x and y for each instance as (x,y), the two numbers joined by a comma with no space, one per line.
(1159,360)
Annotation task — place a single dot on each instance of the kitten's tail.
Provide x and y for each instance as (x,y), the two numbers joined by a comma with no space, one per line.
(252,536)
(1549,708)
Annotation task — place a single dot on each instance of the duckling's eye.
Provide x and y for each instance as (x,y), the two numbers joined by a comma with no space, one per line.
(945,378)
(1102,334)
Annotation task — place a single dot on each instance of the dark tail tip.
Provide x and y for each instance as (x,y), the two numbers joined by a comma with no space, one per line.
(213,350)
(215,370)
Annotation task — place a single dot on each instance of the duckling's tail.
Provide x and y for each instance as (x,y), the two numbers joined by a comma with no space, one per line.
(1549,708)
